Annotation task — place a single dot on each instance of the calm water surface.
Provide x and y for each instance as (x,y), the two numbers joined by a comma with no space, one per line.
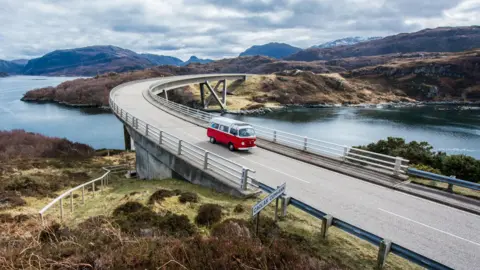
(446,128)
(455,130)
(97,128)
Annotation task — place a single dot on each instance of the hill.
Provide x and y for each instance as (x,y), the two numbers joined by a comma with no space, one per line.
(10,67)
(87,61)
(274,50)
(162,59)
(376,79)
(447,77)
(345,42)
(443,39)
(21,62)
(194,59)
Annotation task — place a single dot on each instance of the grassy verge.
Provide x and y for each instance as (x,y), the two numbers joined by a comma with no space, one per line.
(474,194)
(340,247)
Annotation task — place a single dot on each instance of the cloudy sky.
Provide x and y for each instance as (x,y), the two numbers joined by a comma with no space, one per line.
(212,28)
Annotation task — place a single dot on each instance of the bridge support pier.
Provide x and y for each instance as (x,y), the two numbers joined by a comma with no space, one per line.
(214,94)
(127,139)
(155,162)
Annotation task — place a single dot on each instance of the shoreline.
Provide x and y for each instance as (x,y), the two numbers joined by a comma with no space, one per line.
(288,107)
(65,104)
(292,107)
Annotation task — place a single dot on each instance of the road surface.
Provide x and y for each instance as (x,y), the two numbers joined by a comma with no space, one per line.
(442,233)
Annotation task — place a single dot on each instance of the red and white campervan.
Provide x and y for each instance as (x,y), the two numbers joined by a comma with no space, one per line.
(236,134)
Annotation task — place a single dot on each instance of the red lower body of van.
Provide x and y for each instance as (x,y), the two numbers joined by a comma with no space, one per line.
(226,138)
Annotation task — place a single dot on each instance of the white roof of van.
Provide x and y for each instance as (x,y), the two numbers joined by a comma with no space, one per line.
(227,121)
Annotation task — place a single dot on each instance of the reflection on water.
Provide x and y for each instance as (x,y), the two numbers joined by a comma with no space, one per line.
(93,126)
(447,128)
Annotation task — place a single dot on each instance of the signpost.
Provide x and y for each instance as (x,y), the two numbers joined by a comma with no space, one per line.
(266,201)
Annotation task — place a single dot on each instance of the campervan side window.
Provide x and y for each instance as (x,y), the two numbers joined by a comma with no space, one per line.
(224,128)
(215,125)
(234,131)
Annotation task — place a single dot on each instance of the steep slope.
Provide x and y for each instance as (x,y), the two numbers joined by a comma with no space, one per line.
(274,50)
(448,77)
(87,61)
(162,59)
(443,39)
(10,67)
(345,42)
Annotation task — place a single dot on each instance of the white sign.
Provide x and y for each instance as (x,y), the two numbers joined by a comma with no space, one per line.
(263,203)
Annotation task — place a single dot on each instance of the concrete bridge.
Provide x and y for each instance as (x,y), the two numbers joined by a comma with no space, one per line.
(170,140)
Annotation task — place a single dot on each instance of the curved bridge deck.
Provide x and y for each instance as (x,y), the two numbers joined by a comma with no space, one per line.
(442,233)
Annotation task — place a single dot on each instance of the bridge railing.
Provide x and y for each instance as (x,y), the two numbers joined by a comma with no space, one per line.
(451,181)
(385,245)
(376,161)
(230,170)
(97,184)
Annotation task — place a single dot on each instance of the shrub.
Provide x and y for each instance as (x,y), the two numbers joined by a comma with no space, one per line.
(188,197)
(232,228)
(208,214)
(426,168)
(9,199)
(239,208)
(461,166)
(160,195)
(421,154)
(54,233)
(132,217)
(177,225)
(21,144)
(129,207)
(6,218)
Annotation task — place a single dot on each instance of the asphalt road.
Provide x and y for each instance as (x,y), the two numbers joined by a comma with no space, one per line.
(445,234)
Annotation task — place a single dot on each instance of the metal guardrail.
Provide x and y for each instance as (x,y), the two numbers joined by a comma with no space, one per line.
(104,179)
(232,171)
(328,220)
(451,181)
(394,165)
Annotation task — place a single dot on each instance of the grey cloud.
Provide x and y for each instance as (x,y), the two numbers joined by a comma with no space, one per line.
(132,28)
(31,28)
(165,47)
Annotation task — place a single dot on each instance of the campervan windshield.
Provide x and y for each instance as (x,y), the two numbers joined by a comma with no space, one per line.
(246,132)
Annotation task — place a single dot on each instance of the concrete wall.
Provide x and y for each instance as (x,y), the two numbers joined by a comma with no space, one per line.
(154,162)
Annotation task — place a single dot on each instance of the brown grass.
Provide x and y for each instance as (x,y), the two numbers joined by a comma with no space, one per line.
(20,144)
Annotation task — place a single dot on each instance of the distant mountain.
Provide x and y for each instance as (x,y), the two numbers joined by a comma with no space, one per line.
(10,67)
(162,59)
(345,41)
(194,59)
(87,61)
(443,39)
(21,62)
(273,49)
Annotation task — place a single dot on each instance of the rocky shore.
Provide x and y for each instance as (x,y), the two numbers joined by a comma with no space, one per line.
(456,105)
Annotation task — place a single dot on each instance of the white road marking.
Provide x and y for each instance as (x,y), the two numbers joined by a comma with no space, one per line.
(270,168)
(430,227)
(438,204)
